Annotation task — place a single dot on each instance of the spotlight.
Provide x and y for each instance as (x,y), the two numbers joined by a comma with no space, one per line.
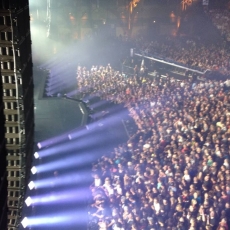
(36,155)
(39,145)
(25,222)
(28,201)
(34,170)
(31,185)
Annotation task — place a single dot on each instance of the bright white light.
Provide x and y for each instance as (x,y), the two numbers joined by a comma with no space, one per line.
(36,155)
(25,222)
(31,185)
(39,145)
(28,201)
(34,170)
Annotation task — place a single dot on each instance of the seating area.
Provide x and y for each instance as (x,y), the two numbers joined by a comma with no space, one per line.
(221,19)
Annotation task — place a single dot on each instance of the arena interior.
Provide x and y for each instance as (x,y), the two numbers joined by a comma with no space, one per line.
(132,127)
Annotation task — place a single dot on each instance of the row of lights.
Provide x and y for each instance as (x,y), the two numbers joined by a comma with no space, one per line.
(31,185)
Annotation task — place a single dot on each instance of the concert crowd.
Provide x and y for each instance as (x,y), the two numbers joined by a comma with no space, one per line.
(221,19)
(193,51)
(174,172)
(190,52)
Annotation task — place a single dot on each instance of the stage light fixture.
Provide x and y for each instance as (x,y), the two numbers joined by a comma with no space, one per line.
(31,185)
(25,222)
(36,155)
(39,145)
(28,201)
(34,170)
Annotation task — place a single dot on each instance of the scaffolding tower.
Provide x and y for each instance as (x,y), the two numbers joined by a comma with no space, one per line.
(17,99)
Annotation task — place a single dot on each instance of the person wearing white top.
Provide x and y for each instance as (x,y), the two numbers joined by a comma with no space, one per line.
(187,176)
(97,181)
(156,205)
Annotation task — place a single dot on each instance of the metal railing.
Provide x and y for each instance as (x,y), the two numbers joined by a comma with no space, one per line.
(164,61)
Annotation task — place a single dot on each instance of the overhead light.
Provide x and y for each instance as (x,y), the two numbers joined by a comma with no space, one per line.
(31,185)
(25,222)
(34,170)
(36,155)
(28,201)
